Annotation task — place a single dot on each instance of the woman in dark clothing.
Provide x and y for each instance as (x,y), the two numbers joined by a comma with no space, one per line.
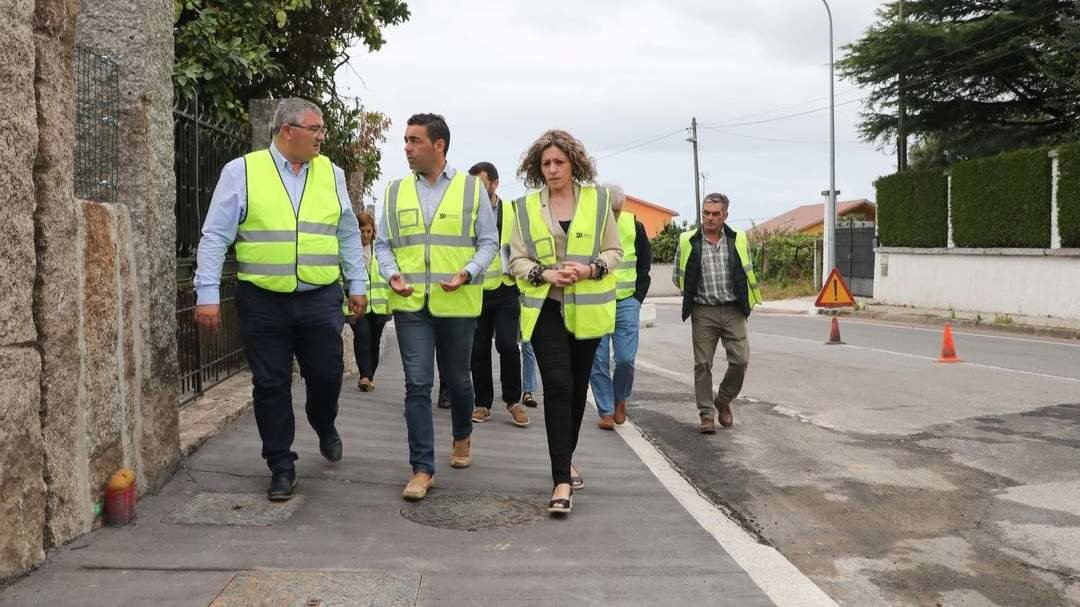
(367,331)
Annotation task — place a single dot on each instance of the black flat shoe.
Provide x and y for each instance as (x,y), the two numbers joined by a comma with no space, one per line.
(330,446)
(282,486)
(561,505)
(528,400)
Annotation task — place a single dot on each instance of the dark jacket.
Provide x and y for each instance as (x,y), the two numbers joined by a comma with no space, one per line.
(644,262)
(693,273)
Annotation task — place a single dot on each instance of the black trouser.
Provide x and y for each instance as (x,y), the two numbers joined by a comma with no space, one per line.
(498,318)
(275,327)
(565,364)
(367,335)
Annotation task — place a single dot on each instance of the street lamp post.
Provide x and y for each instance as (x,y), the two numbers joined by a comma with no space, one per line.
(830,201)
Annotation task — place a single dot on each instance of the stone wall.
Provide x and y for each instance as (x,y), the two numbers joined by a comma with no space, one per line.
(87,328)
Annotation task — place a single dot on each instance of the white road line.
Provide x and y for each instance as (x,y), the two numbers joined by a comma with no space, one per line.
(770,570)
(930,358)
(896,325)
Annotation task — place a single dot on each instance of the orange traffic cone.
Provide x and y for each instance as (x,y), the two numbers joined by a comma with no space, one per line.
(948,348)
(834,333)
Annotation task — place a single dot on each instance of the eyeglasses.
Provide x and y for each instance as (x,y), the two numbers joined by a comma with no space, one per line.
(315,129)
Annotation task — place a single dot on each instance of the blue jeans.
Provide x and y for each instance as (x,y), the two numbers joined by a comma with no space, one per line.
(606,392)
(528,368)
(419,336)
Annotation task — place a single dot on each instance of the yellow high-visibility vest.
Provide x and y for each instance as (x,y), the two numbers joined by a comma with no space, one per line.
(494,276)
(626,274)
(742,248)
(427,254)
(588,306)
(276,246)
(378,294)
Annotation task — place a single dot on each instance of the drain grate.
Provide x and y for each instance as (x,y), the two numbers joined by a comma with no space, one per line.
(475,511)
(243,509)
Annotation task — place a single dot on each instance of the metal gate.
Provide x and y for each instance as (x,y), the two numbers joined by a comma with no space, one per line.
(855,242)
(202,147)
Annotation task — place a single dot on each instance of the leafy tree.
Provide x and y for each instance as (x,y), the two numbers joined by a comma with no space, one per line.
(981,76)
(231,51)
(663,245)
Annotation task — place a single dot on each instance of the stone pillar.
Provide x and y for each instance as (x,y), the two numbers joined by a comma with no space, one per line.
(139,37)
(57,293)
(262,120)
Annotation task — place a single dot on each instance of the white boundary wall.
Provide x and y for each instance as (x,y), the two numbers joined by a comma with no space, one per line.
(1027,282)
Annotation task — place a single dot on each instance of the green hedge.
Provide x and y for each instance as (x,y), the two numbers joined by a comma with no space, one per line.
(1068,195)
(1002,201)
(913,209)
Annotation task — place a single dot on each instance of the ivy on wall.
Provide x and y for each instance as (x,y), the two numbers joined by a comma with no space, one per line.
(1002,201)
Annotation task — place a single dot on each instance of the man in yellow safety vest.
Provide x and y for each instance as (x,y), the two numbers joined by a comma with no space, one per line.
(288,211)
(435,239)
(713,270)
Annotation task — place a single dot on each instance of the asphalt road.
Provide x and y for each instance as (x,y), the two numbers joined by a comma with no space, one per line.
(885,476)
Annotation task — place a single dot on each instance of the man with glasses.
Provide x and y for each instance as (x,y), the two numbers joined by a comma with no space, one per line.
(288,211)
(719,288)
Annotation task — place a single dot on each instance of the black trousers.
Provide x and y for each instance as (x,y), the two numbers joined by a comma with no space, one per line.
(498,319)
(275,327)
(565,363)
(367,335)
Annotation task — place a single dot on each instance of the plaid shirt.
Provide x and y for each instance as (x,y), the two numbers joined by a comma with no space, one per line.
(716,286)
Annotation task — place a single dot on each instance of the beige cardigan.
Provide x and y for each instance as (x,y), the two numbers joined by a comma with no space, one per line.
(521,264)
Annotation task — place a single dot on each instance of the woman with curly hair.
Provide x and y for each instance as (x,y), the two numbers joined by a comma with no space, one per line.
(564,248)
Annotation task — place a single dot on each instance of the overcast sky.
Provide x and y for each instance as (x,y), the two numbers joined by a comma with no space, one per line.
(625,77)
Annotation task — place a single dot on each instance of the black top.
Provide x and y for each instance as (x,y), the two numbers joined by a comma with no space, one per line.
(565,226)
(644,261)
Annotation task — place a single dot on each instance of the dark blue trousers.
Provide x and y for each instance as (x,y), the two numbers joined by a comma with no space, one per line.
(275,327)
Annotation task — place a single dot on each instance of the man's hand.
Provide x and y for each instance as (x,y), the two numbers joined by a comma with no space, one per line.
(358,305)
(208,316)
(402,288)
(451,285)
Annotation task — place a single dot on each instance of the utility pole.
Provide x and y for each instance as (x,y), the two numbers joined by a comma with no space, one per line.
(830,201)
(697,174)
(901,135)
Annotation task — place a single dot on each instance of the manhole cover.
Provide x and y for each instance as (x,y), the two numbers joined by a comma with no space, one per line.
(474,511)
(277,588)
(233,509)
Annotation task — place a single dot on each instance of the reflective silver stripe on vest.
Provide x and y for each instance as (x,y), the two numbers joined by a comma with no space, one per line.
(377,302)
(451,241)
(532,302)
(317,260)
(585,259)
(626,285)
(627,265)
(493,274)
(391,213)
(414,277)
(267,269)
(591,298)
(466,214)
(309,227)
(526,232)
(266,236)
(437,276)
(601,215)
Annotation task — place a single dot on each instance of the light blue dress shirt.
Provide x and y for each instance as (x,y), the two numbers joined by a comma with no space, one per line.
(229,205)
(487,235)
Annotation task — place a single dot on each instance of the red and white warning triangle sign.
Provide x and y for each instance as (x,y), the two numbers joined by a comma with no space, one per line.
(834,293)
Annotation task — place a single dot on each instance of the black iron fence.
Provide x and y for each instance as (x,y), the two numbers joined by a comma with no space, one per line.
(97,126)
(855,242)
(202,146)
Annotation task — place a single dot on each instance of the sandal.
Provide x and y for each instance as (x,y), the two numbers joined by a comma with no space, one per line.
(561,505)
(576,482)
(527,399)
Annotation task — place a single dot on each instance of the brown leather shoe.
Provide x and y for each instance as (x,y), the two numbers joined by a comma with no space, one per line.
(607,422)
(726,419)
(481,415)
(459,454)
(418,486)
(620,413)
(708,426)
(518,415)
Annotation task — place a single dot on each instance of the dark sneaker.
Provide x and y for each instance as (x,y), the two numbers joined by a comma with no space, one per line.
(330,446)
(282,485)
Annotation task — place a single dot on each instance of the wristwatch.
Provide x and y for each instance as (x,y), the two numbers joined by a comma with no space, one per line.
(468,276)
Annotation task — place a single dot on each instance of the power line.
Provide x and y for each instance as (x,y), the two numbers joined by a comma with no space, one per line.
(642,144)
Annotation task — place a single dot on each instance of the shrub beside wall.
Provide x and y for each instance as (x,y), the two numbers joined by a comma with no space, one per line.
(913,209)
(1068,195)
(1003,201)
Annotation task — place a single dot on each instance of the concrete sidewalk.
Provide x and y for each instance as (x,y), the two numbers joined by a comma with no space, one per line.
(482,537)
